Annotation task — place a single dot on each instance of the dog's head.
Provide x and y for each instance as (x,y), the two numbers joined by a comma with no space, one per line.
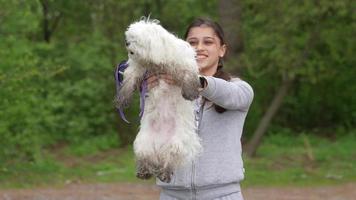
(146,41)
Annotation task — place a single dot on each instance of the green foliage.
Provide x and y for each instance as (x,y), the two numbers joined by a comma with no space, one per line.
(93,145)
(309,42)
(49,90)
(60,90)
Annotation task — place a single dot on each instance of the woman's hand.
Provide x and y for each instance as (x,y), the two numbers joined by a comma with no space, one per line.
(153,80)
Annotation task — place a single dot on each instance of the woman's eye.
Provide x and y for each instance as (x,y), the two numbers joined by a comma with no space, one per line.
(208,42)
(192,43)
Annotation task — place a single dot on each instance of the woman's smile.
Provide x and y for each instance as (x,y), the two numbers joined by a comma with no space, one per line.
(201,56)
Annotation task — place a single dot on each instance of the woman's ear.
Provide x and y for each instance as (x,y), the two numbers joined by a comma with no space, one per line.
(222,50)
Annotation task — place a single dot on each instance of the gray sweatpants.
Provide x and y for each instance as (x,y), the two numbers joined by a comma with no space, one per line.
(233,196)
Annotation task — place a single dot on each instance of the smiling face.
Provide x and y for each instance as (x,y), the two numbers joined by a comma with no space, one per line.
(208,48)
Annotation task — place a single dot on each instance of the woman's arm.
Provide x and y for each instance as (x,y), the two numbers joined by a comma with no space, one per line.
(234,95)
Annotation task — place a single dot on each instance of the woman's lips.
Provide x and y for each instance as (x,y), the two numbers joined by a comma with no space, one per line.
(201,56)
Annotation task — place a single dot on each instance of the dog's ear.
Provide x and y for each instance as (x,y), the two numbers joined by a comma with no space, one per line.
(158,50)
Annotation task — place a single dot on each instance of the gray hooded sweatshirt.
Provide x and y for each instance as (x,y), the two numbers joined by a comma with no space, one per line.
(218,170)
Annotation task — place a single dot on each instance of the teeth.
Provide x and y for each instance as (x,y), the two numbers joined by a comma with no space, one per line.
(201,56)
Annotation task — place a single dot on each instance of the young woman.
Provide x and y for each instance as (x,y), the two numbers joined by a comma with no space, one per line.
(221,112)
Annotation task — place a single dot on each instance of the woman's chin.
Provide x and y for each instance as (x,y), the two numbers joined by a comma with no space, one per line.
(201,65)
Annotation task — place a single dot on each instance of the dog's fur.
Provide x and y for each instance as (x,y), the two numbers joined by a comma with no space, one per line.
(167,138)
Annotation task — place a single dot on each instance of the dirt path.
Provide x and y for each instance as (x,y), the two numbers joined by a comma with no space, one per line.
(122,191)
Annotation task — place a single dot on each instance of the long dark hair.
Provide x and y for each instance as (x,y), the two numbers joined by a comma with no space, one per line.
(220,73)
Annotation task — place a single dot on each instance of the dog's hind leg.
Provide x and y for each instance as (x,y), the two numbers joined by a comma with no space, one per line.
(164,170)
(165,174)
(143,168)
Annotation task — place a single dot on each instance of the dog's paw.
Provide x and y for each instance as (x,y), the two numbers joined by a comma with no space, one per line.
(190,88)
(143,170)
(165,176)
(143,175)
(190,94)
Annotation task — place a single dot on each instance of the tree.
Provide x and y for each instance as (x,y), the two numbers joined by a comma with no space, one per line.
(287,39)
(230,20)
(48,17)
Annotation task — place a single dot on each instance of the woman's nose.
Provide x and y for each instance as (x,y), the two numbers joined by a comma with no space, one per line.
(199,46)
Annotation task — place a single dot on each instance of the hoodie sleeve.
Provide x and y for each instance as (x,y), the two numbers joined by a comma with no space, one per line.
(231,95)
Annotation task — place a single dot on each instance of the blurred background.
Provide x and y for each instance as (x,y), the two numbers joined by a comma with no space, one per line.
(58,124)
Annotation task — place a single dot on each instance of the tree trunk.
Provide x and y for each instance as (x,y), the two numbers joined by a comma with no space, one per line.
(266,119)
(46,31)
(230,20)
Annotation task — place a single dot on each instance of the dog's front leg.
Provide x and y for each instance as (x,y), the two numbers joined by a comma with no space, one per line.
(133,76)
(190,85)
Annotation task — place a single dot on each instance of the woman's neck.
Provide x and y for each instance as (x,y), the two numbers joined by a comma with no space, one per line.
(208,72)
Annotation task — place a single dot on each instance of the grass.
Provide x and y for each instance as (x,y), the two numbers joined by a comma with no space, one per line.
(282,159)
(106,166)
(302,160)
(94,160)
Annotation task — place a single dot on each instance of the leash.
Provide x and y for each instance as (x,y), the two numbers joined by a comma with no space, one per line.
(119,72)
(143,91)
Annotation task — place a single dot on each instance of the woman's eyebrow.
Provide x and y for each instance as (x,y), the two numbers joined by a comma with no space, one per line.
(192,38)
(204,38)
(208,37)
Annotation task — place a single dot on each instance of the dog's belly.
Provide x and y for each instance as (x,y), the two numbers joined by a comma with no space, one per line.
(167,126)
(163,107)
(164,126)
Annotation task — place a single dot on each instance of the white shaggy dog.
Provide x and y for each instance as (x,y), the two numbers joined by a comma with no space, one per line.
(167,138)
